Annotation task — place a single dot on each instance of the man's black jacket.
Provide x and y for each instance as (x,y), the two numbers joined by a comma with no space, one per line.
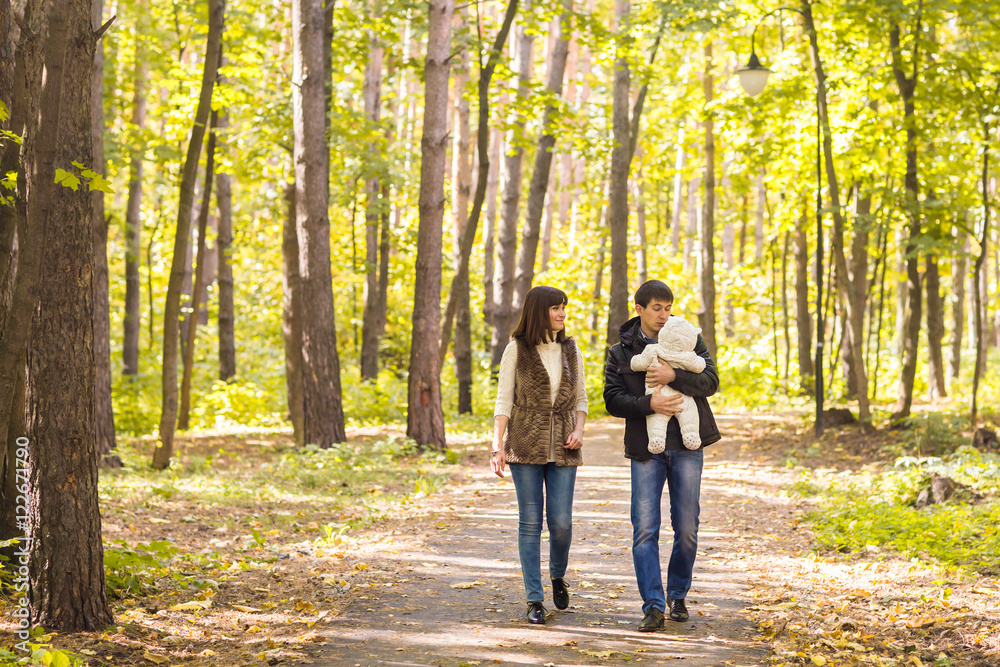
(625,393)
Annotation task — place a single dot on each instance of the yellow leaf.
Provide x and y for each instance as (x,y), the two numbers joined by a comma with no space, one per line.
(467,584)
(360,566)
(598,654)
(249,610)
(254,628)
(155,659)
(818,660)
(193,605)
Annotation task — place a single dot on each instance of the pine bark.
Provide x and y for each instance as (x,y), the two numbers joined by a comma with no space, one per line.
(323,409)
(197,286)
(543,161)
(224,244)
(171,311)
(66,570)
(911,315)
(706,317)
(506,238)
(104,413)
(803,321)
(959,268)
(424,416)
(621,159)
(461,190)
(373,188)
(292,318)
(133,222)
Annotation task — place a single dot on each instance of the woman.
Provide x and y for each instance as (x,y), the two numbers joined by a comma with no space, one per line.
(538,430)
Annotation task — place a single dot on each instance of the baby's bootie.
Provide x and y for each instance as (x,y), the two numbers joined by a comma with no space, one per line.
(657,446)
(691,440)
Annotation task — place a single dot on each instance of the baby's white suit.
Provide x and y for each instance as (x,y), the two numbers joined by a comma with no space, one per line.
(677,340)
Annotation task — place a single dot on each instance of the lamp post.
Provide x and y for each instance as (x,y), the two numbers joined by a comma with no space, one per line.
(753,78)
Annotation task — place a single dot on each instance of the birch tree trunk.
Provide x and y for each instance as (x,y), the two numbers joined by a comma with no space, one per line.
(424,417)
(322,407)
(171,311)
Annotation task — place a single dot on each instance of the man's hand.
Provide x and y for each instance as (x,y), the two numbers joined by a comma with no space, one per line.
(661,375)
(666,405)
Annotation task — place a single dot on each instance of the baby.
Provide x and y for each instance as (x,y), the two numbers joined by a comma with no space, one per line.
(677,340)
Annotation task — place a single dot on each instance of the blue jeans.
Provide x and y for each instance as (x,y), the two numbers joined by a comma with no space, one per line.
(681,471)
(559,482)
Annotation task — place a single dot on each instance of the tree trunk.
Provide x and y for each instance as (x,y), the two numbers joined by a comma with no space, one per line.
(183,421)
(384,250)
(935,328)
(224,244)
(489,234)
(292,318)
(65,561)
(728,249)
(503,278)
(621,158)
(911,317)
(694,221)
(461,189)
(784,306)
(959,268)
(803,321)
(641,264)
(849,297)
(133,222)
(373,112)
(595,315)
(424,417)
(543,161)
(675,219)
(171,311)
(482,175)
(978,302)
(758,235)
(549,223)
(706,317)
(104,413)
(323,410)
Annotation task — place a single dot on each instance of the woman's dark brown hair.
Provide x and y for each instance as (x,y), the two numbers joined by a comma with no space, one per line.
(533,326)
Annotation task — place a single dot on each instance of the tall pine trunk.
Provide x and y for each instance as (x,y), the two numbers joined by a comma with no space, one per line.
(803,321)
(323,423)
(621,159)
(171,311)
(461,189)
(506,238)
(291,318)
(224,243)
(935,328)
(911,315)
(373,112)
(104,413)
(978,274)
(424,416)
(133,222)
(543,161)
(65,562)
(706,317)
(959,268)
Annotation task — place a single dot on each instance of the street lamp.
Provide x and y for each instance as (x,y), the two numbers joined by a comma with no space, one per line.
(753,78)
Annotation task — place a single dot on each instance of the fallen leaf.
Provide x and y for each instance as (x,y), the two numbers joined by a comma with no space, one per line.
(155,659)
(249,610)
(818,660)
(193,605)
(467,584)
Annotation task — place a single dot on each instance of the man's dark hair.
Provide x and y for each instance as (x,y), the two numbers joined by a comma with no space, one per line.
(653,289)
(533,326)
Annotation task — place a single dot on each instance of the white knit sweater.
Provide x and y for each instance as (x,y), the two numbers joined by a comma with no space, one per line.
(551,354)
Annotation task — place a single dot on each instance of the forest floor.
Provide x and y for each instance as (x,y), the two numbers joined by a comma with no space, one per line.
(249,552)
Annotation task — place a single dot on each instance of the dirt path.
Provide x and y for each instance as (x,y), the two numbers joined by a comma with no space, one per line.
(451,594)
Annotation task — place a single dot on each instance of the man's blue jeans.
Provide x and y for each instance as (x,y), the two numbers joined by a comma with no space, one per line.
(558,482)
(681,470)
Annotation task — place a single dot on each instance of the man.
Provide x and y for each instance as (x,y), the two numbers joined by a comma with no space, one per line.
(680,468)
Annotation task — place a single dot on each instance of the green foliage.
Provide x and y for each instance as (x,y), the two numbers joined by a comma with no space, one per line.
(130,571)
(861,511)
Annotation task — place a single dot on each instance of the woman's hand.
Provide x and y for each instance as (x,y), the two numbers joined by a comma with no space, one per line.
(575,439)
(497,462)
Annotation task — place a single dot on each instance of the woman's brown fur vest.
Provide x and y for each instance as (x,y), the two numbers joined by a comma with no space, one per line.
(535,424)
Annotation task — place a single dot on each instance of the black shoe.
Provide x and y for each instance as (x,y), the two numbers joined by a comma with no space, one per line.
(652,621)
(560,593)
(678,610)
(536,613)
